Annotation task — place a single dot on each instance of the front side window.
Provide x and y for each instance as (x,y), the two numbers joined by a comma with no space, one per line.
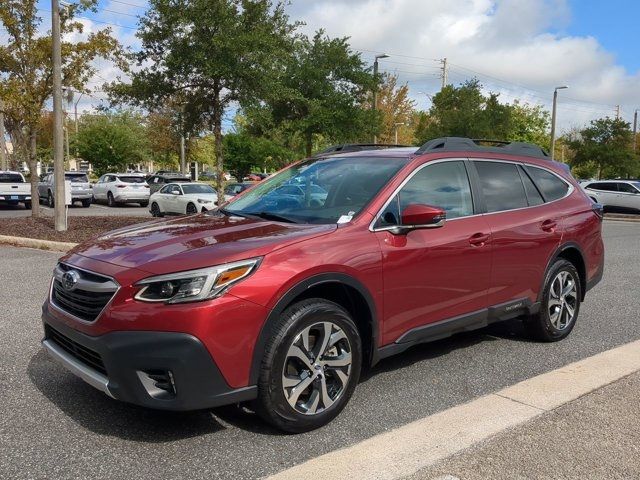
(348,183)
(445,185)
(501,185)
(198,188)
(166,189)
(551,186)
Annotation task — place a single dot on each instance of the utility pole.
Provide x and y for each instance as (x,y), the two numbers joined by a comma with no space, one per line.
(443,75)
(635,130)
(553,118)
(183,163)
(617,112)
(396,125)
(4,161)
(60,218)
(375,89)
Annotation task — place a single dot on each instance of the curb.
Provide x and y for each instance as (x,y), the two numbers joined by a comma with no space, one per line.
(36,243)
(622,219)
(410,448)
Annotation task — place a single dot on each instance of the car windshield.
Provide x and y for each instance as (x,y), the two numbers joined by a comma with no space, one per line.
(11,178)
(208,189)
(131,179)
(76,177)
(322,190)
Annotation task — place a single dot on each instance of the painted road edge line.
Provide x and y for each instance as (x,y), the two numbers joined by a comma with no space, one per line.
(412,447)
(36,243)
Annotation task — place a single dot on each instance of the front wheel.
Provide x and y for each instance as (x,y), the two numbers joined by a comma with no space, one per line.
(155,210)
(50,201)
(310,368)
(144,204)
(191,209)
(560,304)
(27,205)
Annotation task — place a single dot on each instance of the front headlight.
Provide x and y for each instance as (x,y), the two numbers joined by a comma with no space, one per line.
(202,200)
(194,285)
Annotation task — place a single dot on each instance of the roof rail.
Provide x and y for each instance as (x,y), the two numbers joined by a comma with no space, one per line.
(356,147)
(453,144)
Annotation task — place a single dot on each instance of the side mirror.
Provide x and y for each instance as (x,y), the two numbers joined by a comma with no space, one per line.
(416,216)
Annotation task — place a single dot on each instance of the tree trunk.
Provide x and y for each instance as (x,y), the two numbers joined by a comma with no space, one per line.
(33,173)
(219,160)
(309,145)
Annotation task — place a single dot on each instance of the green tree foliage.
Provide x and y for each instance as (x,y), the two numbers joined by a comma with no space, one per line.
(245,153)
(26,80)
(112,141)
(395,107)
(323,92)
(604,149)
(464,111)
(208,54)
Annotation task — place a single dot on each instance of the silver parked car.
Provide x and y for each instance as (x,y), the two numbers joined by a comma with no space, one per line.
(119,188)
(618,194)
(81,190)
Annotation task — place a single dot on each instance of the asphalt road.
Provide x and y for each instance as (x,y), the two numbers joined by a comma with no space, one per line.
(95,210)
(52,425)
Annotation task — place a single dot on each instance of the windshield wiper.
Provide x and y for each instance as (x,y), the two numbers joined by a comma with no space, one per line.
(229,213)
(271,216)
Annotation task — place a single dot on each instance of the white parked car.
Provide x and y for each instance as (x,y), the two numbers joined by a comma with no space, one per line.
(183,198)
(119,188)
(14,189)
(618,194)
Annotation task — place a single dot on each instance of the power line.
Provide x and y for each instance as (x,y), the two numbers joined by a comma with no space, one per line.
(94,20)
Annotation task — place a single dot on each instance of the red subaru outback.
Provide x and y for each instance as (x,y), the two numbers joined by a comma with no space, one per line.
(285,294)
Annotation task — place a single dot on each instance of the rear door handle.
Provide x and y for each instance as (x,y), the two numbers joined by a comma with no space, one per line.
(549,225)
(479,239)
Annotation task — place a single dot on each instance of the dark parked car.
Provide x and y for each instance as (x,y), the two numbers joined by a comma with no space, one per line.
(157,181)
(284,303)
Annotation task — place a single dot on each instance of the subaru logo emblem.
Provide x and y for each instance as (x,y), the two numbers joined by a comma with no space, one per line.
(70,280)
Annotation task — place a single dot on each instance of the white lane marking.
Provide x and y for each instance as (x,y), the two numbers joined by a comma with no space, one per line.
(412,447)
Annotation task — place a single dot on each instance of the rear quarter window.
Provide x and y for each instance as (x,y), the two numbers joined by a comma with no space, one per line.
(549,184)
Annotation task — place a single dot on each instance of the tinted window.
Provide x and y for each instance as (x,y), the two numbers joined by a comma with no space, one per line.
(501,186)
(197,188)
(533,195)
(166,189)
(549,184)
(444,185)
(11,178)
(132,179)
(626,188)
(76,177)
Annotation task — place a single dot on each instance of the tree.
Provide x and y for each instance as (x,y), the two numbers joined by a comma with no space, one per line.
(26,80)
(605,146)
(208,53)
(324,89)
(245,153)
(396,108)
(112,141)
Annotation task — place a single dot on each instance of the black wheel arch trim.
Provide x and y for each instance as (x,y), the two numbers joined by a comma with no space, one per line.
(283,302)
(556,254)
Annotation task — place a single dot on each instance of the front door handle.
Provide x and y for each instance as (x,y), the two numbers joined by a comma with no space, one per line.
(549,225)
(479,239)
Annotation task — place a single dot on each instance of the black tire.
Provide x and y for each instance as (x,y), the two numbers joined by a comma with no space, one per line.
(191,209)
(110,200)
(27,205)
(86,203)
(155,210)
(50,200)
(272,404)
(540,326)
(144,204)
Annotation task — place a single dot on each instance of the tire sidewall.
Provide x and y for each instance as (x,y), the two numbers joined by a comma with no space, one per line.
(549,330)
(283,414)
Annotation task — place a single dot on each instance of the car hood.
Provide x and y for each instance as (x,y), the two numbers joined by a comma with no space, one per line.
(197,241)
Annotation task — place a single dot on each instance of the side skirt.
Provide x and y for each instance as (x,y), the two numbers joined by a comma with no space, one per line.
(463,323)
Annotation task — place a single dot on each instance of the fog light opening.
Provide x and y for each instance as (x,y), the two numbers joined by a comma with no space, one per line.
(159,384)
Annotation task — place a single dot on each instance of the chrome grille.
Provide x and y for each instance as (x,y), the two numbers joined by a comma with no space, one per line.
(88,295)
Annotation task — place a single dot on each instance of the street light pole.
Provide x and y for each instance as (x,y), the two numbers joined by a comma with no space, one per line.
(635,130)
(553,118)
(396,125)
(60,218)
(375,89)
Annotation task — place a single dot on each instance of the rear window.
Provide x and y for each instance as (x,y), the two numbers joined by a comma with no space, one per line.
(501,186)
(76,177)
(11,178)
(131,179)
(550,185)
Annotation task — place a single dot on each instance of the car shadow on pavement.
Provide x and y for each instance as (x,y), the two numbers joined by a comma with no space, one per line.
(96,412)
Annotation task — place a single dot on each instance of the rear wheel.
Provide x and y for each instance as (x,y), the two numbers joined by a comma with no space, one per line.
(144,204)
(27,205)
(311,366)
(110,200)
(191,209)
(86,203)
(50,200)
(155,210)
(560,304)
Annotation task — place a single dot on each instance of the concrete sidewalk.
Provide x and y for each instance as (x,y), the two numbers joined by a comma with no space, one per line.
(596,436)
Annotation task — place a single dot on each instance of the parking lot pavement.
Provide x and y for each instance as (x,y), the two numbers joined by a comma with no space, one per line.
(595,436)
(95,210)
(53,425)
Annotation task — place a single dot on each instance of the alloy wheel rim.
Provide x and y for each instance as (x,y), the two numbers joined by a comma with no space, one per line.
(317,368)
(191,208)
(563,300)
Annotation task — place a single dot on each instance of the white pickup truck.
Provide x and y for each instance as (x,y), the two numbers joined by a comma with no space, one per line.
(14,189)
